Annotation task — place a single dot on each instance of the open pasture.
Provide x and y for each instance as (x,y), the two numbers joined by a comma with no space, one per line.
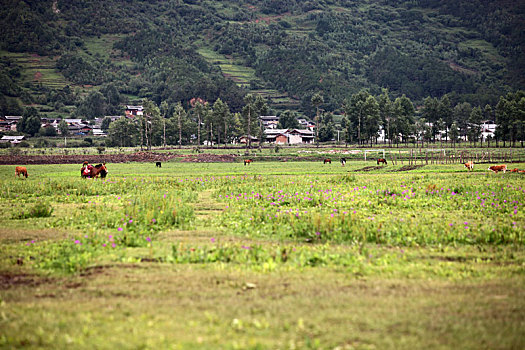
(272,255)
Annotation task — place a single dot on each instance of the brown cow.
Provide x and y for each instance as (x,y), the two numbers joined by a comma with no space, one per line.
(498,168)
(327,160)
(381,160)
(247,161)
(515,170)
(21,170)
(469,165)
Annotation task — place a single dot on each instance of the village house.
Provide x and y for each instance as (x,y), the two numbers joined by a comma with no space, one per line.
(134,111)
(8,123)
(12,139)
(244,139)
(303,123)
(98,121)
(297,136)
(269,121)
(488,130)
(277,136)
(77,126)
(289,136)
(98,132)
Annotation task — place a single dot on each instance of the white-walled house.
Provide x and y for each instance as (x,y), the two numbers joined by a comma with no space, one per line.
(269,121)
(289,136)
(488,129)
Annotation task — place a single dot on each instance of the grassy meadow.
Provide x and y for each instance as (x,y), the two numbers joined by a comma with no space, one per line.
(274,255)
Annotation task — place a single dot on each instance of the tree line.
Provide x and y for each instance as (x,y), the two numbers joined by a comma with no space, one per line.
(364,116)
(436,120)
(200,123)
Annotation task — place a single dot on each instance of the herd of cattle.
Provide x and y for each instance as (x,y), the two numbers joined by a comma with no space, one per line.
(494,168)
(101,170)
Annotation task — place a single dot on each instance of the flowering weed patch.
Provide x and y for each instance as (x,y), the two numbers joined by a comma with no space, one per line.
(386,209)
(395,209)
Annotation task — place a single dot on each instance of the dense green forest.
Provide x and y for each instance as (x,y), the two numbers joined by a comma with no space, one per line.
(60,56)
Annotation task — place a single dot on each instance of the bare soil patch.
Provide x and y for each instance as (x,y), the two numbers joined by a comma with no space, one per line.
(11,280)
(409,167)
(369,168)
(210,158)
(91,158)
(141,157)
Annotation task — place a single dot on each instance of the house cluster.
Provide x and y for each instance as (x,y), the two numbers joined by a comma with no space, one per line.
(289,136)
(269,123)
(305,134)
(77,127)
(8,123)
(488,131)
(272,121)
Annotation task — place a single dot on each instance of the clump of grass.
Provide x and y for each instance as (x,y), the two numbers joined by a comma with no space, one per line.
(39,210)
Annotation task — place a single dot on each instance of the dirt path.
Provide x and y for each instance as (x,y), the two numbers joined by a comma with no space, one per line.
(113,158)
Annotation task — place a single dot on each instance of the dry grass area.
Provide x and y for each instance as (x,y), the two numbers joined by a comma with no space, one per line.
(166,306)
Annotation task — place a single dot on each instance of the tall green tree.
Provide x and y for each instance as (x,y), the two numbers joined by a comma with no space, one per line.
(30,122)
(446,113)
(64,128)
(510,114)
(288,120)
(386,113)
(431,113)
(317,100)
(180,115)
(475,122)
(151,112)
(200,109)
(327,128)
(105,123)
(363,114)
(431,109)
(164,113)
(123,132)
(249,113)
(372,119)
(461,117)
(404,117)
(92,106)
(454,133)
(261,107)
(222,116)
(112,99)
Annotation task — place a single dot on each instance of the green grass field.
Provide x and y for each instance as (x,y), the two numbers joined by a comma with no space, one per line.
(293,255)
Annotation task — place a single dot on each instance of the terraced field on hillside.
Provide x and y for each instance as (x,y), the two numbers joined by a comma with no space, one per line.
(37,69)
(243,76)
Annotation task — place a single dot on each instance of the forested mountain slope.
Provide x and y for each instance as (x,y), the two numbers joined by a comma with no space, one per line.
(53,53)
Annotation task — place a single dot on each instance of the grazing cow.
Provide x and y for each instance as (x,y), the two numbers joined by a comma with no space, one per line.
(498,168)
(469,165)
(515,170)
(247,161)
(343,161)
(327,160)
(382,160)
(21,170)
(158,165)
